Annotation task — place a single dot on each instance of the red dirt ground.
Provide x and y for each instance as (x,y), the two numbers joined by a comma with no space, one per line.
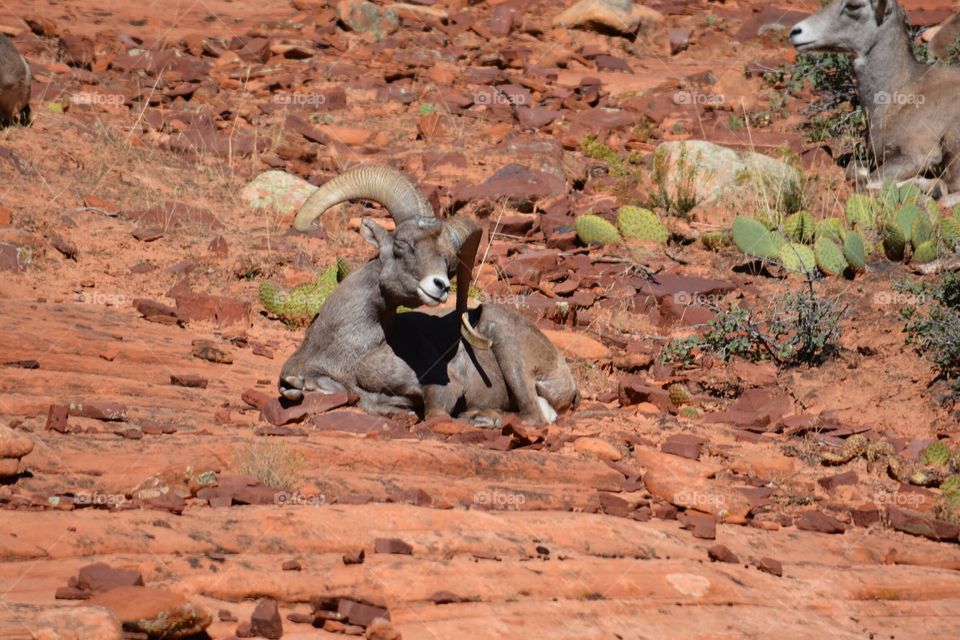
(604,525)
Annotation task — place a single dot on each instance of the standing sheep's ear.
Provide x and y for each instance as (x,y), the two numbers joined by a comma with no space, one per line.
(377,236)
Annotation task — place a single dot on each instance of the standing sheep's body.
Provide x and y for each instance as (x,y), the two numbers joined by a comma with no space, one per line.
(913,109)
(14,85)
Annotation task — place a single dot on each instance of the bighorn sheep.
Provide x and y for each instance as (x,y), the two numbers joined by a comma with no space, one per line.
(473,363)
(14,85)
(913,111)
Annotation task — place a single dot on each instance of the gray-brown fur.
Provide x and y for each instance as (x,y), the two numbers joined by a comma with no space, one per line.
(912,109)
(418,361)
(14,85)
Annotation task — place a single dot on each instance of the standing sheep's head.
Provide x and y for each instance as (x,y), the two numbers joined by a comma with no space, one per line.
(421,255)
(846,26)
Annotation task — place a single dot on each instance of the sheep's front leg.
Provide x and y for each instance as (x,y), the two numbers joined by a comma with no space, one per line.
(381,373)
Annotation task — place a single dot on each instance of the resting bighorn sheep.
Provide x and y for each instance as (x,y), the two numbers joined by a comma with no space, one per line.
(473,363)
(14,85)
(913,109)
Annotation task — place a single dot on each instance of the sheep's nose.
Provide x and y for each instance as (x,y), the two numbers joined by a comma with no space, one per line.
(442,285)
(796,31)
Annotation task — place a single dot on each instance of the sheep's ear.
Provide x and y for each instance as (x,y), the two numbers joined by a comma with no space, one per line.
(880,10)
(376,235)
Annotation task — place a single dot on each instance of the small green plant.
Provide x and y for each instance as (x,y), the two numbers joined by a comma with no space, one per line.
(801,328)
(427,108)
(932,324)
(736,123)
(682,198)
(271,461)
(616,166)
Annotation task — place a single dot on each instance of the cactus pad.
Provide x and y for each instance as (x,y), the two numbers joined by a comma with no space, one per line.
(905,218)
(754,239)
(798,258)
(926,252)
(830,256)
(300,305)
(799,227)
(593,229)
(894,241)
(854,251)
(688,412)
(716,240)
(861,212)
(831,228)
(936,454)
(950,232)
(641,224)
(680,395)
(921,231)
(769,218)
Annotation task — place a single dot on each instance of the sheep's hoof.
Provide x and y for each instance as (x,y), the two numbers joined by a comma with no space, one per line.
(291,387)
(483,418)
(292,394)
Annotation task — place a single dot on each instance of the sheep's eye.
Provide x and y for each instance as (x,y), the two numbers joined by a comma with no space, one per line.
(852,7)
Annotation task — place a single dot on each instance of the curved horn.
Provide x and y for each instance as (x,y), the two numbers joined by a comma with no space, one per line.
(466,233)
(382,185)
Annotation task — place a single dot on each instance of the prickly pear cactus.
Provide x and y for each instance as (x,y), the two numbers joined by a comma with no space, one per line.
(716,240)
(950,233)
(855,252)
(926,252)
(688,412)
(921,231)
(905,218)
(894,241)
(641,224)
(799,227)
(769,218)
(936,454)
(829,256)
(299,306)
(798,258)
(680,395)
(593,229)
(861,212)
(831,228)
(752,238)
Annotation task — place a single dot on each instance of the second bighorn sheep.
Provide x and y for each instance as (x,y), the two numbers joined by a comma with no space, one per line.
(14,85)
(913,109)
(474,363)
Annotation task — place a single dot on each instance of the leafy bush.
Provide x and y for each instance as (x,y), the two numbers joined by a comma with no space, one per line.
(932,325)
(799,328)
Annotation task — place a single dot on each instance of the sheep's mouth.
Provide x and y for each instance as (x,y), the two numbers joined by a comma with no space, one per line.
(799,46)
(429,299)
